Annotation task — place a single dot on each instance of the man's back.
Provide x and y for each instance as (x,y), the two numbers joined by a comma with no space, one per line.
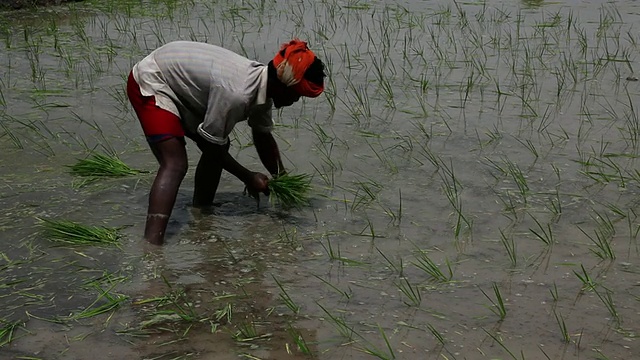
(194,69)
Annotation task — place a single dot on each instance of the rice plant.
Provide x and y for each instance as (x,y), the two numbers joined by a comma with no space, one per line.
(284,296)
(247,331)
(503,346)
(7,330)
(67,232)
(173,307)
(102,165)
(608,302)
(339,323)
(497,305)
(411,292)
(424,263)
(437,334)
(299,340)
(563,328)
(347,294)
(226,312)
(588,283)
(510,246)
(379,353)
(291,191)
(109,301)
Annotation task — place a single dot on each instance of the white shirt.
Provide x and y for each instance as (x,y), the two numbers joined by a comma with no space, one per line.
(209,88)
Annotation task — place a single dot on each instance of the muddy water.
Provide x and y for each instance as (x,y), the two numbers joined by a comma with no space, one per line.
(444,130)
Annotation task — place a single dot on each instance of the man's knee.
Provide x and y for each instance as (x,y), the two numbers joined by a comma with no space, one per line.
(177,168)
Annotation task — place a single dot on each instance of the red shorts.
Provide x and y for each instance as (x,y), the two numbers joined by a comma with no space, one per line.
(158,124)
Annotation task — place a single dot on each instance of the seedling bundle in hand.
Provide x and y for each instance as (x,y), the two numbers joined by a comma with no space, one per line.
(291,191)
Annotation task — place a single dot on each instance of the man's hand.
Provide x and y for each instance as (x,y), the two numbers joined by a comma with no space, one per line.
(257,183)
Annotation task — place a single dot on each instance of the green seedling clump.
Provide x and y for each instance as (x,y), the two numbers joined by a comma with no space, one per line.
(291,191)
(98,165)
(72,233)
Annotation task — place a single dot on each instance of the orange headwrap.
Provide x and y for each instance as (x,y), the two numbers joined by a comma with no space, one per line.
(293,59)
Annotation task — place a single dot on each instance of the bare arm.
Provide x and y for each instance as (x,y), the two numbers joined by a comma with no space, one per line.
(268,152)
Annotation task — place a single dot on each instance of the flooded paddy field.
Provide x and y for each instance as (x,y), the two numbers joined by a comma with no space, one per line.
(475,187)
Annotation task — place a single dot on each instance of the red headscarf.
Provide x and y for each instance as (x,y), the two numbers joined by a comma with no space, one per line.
(293,59)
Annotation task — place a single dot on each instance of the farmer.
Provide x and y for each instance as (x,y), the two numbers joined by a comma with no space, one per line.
(201,91)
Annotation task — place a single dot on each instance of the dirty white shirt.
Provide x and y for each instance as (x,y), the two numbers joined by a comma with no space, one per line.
(209,88)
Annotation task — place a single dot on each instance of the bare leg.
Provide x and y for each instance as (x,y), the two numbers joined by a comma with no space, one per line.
(207,177)
(172,156)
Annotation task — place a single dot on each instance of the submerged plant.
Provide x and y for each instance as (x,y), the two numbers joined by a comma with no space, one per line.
(290,190)
(7,329)
(299,340)
(73,233)
(110,301)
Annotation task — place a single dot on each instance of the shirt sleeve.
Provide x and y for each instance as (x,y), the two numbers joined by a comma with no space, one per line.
(260,118)
(224,111)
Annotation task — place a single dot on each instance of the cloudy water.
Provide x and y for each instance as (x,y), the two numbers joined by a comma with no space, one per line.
(475,187)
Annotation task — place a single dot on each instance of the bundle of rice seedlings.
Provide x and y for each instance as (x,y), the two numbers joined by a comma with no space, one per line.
(72,233)
(99,165)
(290,190)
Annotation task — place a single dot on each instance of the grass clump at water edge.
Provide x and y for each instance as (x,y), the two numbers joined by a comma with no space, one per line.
(291,191)
(73,233)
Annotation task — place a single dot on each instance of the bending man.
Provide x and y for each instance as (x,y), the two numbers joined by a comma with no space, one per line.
(202,91)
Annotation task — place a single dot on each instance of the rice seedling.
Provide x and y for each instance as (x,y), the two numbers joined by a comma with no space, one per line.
(588,283)
(384,159)
(174,306)
(339,323)
(299,340)
(503,346)
(248,331)
(563,328)
(102,165)
(291,191)
(371,233)
(424,263)
(411,292)
(289,238)
(519,179)
(286,298)
(603,249)
(399,269)
(452,189)
(608,302)
(510,246)
(555,205)
(226,312)
(113,301)
(544,234)
(379,353)
(347,294)
(554,292)
(7,331)
(497,306)
(437,334)
(66,232)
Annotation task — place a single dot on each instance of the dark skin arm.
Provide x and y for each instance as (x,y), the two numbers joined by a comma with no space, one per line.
(268,152)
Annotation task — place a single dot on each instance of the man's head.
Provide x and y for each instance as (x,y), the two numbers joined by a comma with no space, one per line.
(295,71)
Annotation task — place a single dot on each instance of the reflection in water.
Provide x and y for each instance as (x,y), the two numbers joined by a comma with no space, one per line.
(533,3)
